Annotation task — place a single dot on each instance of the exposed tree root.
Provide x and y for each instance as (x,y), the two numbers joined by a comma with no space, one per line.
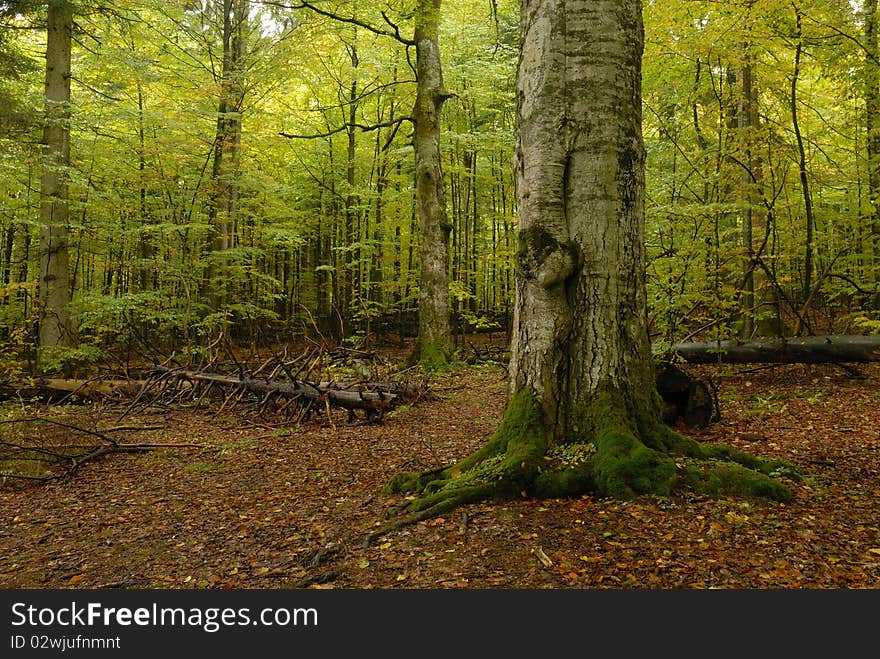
(519,461)
(434,505)
(324,577)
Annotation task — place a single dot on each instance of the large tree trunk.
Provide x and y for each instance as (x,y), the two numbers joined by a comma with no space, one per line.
(580,328)
(584,413)
(434,345)
(56,326)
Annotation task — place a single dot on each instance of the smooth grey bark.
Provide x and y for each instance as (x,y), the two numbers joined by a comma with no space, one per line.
(580,324)
(56,325)
(434,345)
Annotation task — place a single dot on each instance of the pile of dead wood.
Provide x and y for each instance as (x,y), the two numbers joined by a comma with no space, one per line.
(369,399)
(290,388)
(300,385)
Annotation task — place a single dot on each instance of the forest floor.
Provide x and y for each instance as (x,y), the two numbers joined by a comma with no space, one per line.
(261,507)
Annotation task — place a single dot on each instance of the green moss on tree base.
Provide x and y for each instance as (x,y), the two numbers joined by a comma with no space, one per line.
(564,482)
(735,480)
(623,460)
(511,459)
(432,357)
(624,467)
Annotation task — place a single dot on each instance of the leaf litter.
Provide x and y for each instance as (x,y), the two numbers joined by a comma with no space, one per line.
(289,508)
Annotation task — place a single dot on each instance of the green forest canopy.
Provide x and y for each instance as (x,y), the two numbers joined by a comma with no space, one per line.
(763,170)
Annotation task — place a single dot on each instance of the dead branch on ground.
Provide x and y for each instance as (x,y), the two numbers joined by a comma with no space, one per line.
(30,456)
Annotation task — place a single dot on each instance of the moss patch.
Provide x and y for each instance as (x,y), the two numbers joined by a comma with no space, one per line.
(624,467)
(625,458)
(735,480)
(511,458)
(433,357)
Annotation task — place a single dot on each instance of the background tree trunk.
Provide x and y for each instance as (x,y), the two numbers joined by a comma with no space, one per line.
(434,343)
(802,162)
(872,119)
(56,325)
(751,183)
(223,205)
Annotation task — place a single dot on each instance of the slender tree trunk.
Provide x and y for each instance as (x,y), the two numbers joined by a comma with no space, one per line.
(871,16)
(748,124)
(7,253)
(223,207)
(56,325)
(146,243)
(434,345)
(375,288)
(802,164)
(349,266)
(472,209)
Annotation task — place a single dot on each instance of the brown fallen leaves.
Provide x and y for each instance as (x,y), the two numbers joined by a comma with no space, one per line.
(259,507)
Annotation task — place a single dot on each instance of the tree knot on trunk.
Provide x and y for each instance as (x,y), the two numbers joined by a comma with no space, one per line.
(543,258)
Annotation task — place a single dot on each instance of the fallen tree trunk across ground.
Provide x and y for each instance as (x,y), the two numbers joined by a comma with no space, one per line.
(374,399)
(60,390)
(806,350)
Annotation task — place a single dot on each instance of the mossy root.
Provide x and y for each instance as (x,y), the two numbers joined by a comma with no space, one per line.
(616,463)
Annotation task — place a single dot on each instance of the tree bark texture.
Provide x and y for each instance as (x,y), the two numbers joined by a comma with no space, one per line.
(435,342)
(579,320)
(872,120)
(56,326)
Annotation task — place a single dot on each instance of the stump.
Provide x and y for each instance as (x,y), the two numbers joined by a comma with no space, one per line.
(686,399)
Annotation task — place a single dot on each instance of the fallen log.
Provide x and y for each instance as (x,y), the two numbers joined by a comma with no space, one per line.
(57,390)
(805,350)
(373,398)
(349,399)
